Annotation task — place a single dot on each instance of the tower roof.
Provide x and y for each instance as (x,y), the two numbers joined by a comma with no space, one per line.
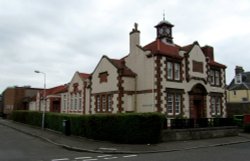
(164,22)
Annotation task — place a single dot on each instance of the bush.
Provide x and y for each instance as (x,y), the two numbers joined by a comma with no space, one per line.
(122,128)
(27,117)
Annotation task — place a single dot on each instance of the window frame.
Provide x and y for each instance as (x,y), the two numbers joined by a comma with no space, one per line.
(216,105)
(173,71)
(215,77)
(105,103)
(174,105)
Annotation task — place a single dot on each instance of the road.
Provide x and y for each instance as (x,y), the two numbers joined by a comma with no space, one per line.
(17,146)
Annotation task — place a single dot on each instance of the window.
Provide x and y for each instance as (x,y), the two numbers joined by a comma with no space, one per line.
(197,66)
(71,101)
(103,77)
(173,71)
(238,79)
(216,105)
(75,102)
(170,70)
(211,76)
(177,71)
(217,78)
(104,103)
(64,102)
(170,104)
(213,107)
(80,101)
(214,77)
(109,103)
(173,103)
(177,104)
(98,105)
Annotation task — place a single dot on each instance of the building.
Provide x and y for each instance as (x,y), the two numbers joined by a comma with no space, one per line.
(53,99)
(76,99)
(17,98)
(179,81)
(238,92)
(161,76)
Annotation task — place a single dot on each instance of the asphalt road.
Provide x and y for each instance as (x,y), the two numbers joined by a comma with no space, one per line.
(16,146)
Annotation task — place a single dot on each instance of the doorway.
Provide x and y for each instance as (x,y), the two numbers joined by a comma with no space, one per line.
(197,102)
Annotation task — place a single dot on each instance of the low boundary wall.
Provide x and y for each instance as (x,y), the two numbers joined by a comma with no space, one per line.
(199,133)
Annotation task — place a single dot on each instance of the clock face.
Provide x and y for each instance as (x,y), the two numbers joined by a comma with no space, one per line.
(168,30)
(165,31)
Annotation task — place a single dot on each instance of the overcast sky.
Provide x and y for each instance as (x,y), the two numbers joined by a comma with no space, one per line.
(60,37)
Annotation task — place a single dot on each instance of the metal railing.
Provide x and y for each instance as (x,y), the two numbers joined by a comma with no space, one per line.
(200,123)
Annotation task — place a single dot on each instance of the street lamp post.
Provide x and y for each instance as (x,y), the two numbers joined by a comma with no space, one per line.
(44,97)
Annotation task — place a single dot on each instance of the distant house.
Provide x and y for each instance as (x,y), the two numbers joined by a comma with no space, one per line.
(238,92)
(17,98)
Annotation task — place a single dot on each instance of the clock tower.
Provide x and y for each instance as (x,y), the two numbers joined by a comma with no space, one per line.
(164,31)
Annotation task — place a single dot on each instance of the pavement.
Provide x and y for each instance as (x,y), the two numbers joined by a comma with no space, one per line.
(82,144)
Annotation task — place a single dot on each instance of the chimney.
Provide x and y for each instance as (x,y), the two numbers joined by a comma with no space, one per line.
(238,70)
(208,51)
(134,38)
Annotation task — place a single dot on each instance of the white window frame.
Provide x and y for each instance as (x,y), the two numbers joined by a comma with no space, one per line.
(216,107)
(80,101)
(98,103)
(104,103)
(177,104)
(177,72)
(170,70)
(109,103)
(170,104)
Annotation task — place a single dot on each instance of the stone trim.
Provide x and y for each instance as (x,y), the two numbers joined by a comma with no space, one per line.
(120,92)
(158,83)
(84,97)
(187,69)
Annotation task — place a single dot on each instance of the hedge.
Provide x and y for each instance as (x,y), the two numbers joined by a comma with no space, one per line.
(121,128)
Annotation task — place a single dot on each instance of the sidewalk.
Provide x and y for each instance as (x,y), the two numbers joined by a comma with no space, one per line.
(88,145)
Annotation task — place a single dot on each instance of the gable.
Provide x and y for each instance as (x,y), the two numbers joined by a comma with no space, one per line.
(197,54)
(76,83)
(197,62)
(104,77)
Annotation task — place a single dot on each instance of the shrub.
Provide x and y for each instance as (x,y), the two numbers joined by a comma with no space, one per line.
(122,128)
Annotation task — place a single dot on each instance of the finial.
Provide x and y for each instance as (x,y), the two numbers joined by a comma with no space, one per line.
(136,26)
(163,15)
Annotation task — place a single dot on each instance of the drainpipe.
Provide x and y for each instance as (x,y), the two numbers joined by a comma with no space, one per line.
(153,75)
(135,101)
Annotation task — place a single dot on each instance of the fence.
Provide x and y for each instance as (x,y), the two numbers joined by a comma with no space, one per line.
(200,123)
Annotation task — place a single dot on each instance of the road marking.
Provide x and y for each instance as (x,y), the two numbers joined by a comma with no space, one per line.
(111,158)
(103,156)
(60,159)
(107,149)
(78,158)
(128,156)
(89,159)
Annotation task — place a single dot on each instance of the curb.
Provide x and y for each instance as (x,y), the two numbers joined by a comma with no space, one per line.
(120,152)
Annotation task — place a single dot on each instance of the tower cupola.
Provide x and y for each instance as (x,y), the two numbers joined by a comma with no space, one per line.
(164,31)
